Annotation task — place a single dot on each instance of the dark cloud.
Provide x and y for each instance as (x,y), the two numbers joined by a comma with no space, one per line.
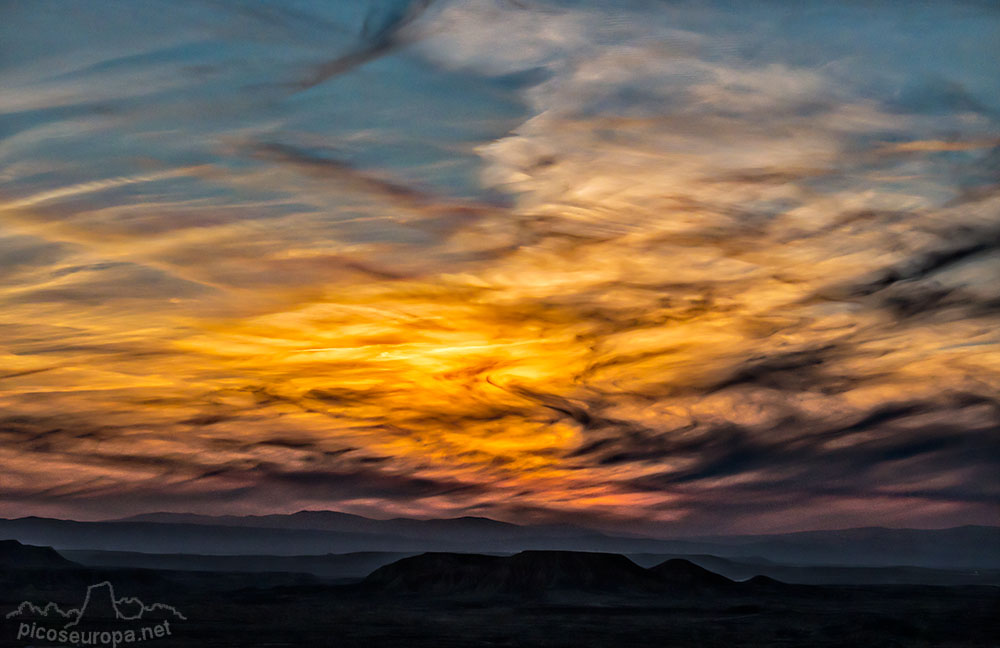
(792,371)
(823,461)
(26,253)
(382,33)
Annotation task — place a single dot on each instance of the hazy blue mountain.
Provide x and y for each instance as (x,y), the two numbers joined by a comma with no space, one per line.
(356,565)
(957,547)
(470,528)
(969,547)
(329,566)
(744,569)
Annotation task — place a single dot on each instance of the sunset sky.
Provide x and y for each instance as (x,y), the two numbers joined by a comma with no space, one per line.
(672,267)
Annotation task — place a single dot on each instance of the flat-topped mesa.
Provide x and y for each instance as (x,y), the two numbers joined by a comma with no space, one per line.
(536,572)
(688,577)
(14,555)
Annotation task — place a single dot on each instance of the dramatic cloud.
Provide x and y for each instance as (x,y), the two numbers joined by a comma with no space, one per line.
(695,267)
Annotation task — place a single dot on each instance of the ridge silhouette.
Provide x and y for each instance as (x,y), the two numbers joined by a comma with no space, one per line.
(15,555)
(532,573)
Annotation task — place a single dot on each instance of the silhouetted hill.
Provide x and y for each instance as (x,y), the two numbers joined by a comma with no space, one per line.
(357,565)
(533,573)
(526,574)
(532,599)
(537,571)
(689,577)
(14,555)
(438,573)
(743,569)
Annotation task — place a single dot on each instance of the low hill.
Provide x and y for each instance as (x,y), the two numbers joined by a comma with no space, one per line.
(534,573)
(689,577)
(438,573)
(741,570)
(14,555)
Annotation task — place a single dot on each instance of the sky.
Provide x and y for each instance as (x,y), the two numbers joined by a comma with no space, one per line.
(650,265)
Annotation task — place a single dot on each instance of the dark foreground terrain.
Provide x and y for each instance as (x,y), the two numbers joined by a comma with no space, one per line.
(547,598)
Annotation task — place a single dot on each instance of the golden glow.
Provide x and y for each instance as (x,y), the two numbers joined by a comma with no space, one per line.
(685,278)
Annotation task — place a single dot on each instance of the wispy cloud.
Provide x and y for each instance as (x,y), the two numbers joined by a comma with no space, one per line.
(535,260)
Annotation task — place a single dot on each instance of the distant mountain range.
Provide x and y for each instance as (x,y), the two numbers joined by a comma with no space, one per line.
(743,569)
(329,567)
(466,529)
(354,566)
(327,532)
(971,546)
